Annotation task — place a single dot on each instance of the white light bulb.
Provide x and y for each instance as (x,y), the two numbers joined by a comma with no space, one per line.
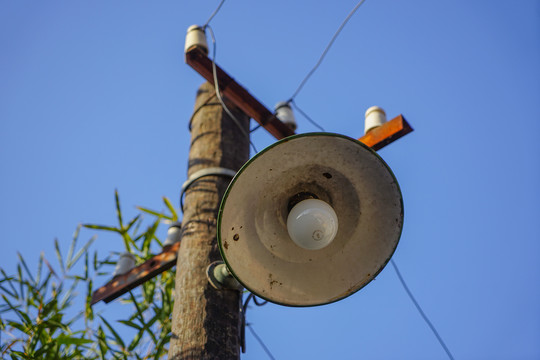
(312,224)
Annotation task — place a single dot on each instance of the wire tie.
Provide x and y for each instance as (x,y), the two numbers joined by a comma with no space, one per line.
(217,171)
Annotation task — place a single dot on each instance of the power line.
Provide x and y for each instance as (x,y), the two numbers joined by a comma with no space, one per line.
(424,316)
(266,350)
(218,92)
(306,116)
(326,49)
(213,14)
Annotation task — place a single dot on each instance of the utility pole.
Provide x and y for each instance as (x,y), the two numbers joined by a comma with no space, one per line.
(206,322)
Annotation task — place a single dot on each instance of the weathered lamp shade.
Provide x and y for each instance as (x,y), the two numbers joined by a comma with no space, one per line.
(347,175)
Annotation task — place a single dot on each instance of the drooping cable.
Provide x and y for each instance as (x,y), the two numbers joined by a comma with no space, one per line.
(266,350)
(244,311)
(327,49)
(218,92)
(213,14)
(306,115)
(424,316)
(255,128)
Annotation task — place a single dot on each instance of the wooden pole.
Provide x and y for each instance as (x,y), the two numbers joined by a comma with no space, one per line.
(206,322)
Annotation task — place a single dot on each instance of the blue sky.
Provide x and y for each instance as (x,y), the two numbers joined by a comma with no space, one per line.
(96,96)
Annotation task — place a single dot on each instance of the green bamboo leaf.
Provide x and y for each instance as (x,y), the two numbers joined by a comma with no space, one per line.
(148,289)
(166,302)
(12,294)
(159,350)
(52,324)
(139,237)
(139,314)
(136,339)
(86,265)
(102,227)
(17,326)
(39,268)
(171,209)
(95,261)
(118,210)
(133,221)
(128,241)
(130,324)
(20,281)
(9,280)
(50,306)
(83,250)
(64,339)
(88,311)
(50,267)
(148,328)
(151,212)
(21,314)
(66,300)
(102,342)
(44,283)
(72,246)
(75,318)
(59,256)
(149,235)
(137,226)
(114,333)
(24,265)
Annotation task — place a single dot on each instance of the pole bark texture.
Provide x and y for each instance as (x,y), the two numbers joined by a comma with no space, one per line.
(206,322)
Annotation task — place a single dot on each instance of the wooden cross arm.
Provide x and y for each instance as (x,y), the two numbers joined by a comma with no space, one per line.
(387,133)
(121,284)
(232,90)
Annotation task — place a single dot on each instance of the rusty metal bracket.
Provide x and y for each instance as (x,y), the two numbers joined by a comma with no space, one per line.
(121,284)
(387,133)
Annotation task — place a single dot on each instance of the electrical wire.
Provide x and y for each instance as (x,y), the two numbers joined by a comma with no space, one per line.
(244,311)
(250,327)
(424,316)
(213,14)
(218,92)
(306,116)
(206,103)
(255,128)
(327,49)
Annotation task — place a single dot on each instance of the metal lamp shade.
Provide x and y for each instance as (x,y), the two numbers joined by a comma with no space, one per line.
(252,222)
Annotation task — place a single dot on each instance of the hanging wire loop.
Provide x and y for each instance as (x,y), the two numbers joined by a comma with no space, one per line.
(213,171)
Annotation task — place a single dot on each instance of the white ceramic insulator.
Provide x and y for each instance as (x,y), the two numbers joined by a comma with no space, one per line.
(285,114)
(173,234)
(196,37)
(375,117)
(125,263)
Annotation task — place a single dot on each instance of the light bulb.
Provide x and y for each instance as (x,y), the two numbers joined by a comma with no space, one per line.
(312,224)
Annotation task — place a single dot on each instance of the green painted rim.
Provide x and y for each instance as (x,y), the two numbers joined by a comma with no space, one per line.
(293,137)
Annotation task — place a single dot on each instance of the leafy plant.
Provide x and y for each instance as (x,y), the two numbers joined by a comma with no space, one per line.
(42,315)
